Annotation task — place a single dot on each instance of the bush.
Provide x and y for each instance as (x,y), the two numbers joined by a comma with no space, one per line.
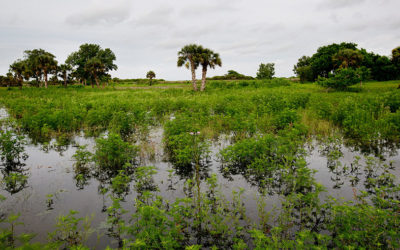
(341,80)
(12,148)
(113,153)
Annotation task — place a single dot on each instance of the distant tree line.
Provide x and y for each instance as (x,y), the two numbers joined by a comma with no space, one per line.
(90,64)
(346,57)
(231,75)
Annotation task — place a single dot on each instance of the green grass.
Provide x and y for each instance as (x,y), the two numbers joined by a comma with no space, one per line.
(242,108)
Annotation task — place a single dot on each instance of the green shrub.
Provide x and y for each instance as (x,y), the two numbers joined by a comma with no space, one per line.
(113,153)
(12,148)
(285,118)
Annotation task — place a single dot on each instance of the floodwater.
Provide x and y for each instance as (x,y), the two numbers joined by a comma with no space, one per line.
(50,172)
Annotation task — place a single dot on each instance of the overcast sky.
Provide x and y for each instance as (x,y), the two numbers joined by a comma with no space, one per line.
(146,35)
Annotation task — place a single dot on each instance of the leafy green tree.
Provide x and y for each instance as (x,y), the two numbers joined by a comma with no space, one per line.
(95,68)
(303,61)
(396,55)
(322,61)
(48,65)
(188,56)
(305,73)
(64,71)
(91,62)
(266,71)
(31,59)
(208,58)
(346,58)
(303,69)
(41,62)
(343,78)
(363,74)
(232,75)
(8,80)
(18,68)
(396,61)
(150,75)
(382,68)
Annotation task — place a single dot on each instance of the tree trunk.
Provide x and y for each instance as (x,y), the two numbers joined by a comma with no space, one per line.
(96,79)
(193,74)
(20,82)
(203,78)
(45,78)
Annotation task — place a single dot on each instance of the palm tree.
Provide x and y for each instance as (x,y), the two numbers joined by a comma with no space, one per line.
(64,70)
(150,75)
(346,58)
(47,64)
(208,58)
(19,69)
(95,67)
(188,56)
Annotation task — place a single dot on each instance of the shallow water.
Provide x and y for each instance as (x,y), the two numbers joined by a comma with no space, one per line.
(51,172)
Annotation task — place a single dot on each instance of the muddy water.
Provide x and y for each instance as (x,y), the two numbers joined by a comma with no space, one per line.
(51,172)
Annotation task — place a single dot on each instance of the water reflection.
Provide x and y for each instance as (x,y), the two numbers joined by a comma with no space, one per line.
(13,156)
(347,165)
(94,189)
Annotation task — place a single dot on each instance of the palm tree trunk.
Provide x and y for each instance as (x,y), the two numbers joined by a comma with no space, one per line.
(193,75)
(20,82)
(65,80)
(96,79)
(45,78)
(203,78)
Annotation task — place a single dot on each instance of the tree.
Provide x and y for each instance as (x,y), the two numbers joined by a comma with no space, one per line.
(363,74)
(346,58)
(396,55)
(342,79)
(95,68)
(48,65)
(303,61)
(208,58)
(41,62)
(19,68)
(396,61)
(322,61)
(31,58)
(266,71)
(188,56)
(305,73)
(64,71)
(91,62)
(303,69)
(150,75)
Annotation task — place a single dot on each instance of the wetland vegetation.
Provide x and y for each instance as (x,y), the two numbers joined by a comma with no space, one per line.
(260,131)
(266,163)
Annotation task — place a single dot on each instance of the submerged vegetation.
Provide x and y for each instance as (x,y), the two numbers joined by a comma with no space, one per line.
(268,124)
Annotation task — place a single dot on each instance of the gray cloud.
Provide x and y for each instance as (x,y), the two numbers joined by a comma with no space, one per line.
(107,14)
(208,8)
(147,35)
(337,4)
(160,16)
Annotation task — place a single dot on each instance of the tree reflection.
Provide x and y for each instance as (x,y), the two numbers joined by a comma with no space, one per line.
(12,155)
